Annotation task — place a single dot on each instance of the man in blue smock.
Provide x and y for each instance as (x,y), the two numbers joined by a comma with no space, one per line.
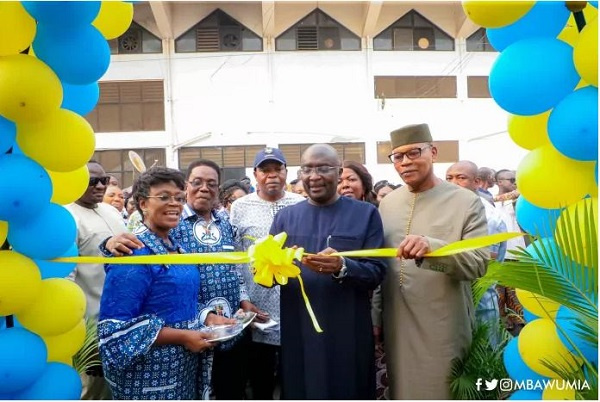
(339,362)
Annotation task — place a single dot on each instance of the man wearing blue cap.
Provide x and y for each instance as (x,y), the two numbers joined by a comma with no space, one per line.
(252,216)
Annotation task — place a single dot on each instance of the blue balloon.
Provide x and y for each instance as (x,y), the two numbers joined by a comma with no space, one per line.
(551,248)
(566,319)
(58,381)
(8,134)
(514,364)
(80,99)
(594,3)
(25,187)
(544,19)
(573,125)
(78,57)
(522,395)
(46,236)
(528,316)
(63,13)
(22,359)
(535,220)
(532,76)
(16,150)
(56,269)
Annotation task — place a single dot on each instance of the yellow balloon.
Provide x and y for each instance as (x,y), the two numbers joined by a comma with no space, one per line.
(69,186)
(542,168)
(585,53)
(114,18)
(590,13)
(539,305)
(61,142)
(17,28)
(29,89)
(20,282)
(62,347)
(60,306)
(577,214)
(570,33)
(495,14)
(529,132)
(554,394)
(539,341)
(68,360)
(3,231)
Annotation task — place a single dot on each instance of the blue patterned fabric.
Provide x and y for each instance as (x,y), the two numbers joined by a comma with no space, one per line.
(137,302)
(221,285)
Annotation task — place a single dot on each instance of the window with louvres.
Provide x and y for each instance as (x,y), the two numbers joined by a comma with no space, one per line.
(317,31)
(218,32)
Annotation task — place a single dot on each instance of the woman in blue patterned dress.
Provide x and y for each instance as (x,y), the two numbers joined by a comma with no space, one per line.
(149,314)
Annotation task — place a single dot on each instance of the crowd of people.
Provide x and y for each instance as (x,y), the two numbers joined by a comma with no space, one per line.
(391,327)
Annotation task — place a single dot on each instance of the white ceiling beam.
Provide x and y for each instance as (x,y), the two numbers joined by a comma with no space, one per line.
(373,11)
(162,15)
(268,18)
(465,27)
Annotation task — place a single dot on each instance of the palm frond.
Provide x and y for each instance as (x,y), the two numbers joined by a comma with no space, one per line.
(87,357)
(575,374)
(541,279)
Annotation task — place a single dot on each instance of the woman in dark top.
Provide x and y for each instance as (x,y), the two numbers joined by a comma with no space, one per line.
(356,182)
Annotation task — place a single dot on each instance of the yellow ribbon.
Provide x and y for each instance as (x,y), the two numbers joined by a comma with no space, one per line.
(231,257)
(271,263)
(449,249)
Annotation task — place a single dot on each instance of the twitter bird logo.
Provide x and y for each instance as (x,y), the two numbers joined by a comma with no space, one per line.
(491,385)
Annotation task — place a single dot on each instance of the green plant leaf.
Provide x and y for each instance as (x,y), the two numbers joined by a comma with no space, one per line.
(87,357)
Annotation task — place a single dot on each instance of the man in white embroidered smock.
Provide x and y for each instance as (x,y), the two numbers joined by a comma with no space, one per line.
(252,216)
(428,311)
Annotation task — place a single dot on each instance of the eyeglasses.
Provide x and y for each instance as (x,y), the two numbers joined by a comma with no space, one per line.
(510,179)
(165,198)
(413,154)
(197,183)
(319,170)
(95,180)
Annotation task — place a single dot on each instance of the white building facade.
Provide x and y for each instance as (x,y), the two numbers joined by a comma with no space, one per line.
(221,80)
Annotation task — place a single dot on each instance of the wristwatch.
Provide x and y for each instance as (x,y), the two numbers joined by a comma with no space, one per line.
(343,271)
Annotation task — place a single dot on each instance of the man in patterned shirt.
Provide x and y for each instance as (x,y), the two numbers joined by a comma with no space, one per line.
(465,174)
(252,216)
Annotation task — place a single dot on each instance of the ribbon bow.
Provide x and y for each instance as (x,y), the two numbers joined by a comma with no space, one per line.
(269,260)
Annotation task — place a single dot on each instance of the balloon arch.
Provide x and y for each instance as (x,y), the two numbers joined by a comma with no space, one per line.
(51,56)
